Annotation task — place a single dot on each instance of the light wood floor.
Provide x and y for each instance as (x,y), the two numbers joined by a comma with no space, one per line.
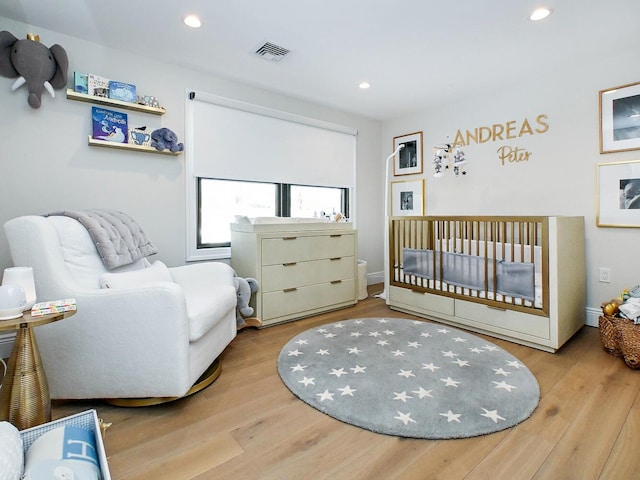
(247,425)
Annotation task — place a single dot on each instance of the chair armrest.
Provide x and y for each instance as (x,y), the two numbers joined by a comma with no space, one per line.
(202,275)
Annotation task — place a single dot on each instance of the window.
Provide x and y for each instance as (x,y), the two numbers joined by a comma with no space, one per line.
(219,201)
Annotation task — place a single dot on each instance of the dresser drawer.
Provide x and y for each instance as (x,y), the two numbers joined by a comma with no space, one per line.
(300,300)
(299,274)
(301,248)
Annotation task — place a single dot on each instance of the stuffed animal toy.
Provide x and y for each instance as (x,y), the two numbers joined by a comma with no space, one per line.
(164,138)
(34,64)
(245,287)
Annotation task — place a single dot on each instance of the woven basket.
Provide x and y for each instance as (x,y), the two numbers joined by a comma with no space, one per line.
(621,337)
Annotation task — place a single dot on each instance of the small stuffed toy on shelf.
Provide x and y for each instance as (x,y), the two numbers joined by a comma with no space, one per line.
(165,139)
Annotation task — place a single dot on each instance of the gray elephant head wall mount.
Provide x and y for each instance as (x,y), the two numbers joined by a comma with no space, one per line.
(36,66)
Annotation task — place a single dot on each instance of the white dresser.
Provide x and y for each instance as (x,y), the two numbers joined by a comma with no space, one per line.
(302,268)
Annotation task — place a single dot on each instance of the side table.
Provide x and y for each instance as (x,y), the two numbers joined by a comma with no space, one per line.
(24,397)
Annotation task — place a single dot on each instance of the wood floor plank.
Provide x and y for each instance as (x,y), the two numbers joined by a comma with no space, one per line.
(248,425)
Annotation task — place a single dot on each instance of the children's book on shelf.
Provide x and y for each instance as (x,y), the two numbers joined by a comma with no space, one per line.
(109,125)
(80,82)
(97,85)
(125,92)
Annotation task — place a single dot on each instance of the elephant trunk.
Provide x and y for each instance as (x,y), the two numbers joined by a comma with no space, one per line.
(34,91)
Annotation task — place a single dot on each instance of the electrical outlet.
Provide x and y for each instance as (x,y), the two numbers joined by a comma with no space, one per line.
(605,275)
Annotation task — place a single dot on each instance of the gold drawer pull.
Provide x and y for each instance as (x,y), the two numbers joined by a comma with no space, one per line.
(289,238)
(335,235)
(497,308)
(287,290)
(290,264)
(335,282)
(335,258)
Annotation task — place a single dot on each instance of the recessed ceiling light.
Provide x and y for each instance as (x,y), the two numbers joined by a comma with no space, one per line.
(192,21)
(539,14)
(364,85)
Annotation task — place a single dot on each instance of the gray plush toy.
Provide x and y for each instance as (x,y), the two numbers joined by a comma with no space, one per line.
(34,64)
(245,287)
(164,138)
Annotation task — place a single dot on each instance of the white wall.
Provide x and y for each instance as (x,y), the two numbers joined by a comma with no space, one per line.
(560,176)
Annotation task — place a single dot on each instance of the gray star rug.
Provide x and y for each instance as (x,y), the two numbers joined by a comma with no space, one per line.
(408,378)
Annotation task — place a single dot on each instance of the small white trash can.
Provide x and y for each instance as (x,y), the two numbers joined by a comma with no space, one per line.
(362,280)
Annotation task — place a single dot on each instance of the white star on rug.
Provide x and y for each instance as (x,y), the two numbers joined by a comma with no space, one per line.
(306,381)
(425,334)
(515,364)
(302,342)
(449,354)
(449,382)
(347,390)
(491,348)
(462,363)
(358,322)
(382,342)
(414,344)
(459,340)
(398,353)
(476,350)
(443,330)
(374,334)
(329,335)
(401,396)
(423,393)
(298,368)
(295,353)
(338,325)
(322,352)
(452,417)
(389,332)
(492,414)
(429,366)
(355,350)
(326,395)
(406,373)
(501,371)
(383,320)
(356,334)
(323,330)
(358,369)
(404,417)
(504,385)
(338,373)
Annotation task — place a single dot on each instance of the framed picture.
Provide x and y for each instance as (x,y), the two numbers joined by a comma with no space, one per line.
(618,194)
(620,118)
(408,161)
(407,198)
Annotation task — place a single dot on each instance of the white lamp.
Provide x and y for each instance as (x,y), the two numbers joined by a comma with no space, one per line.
(22,277)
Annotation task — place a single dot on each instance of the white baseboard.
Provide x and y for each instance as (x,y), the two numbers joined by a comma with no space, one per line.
(592,316)
(375,277)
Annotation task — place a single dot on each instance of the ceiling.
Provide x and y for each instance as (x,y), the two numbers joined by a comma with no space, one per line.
(415,53)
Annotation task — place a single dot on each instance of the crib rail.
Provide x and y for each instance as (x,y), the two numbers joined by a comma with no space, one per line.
(484,259)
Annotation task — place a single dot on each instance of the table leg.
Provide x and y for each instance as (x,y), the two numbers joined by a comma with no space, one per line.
(24,397)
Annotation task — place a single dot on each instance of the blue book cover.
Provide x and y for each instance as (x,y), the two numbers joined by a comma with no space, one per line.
(80,82)
(125,92)
(109,125)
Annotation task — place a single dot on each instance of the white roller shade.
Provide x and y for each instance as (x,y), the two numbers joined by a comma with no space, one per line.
(239,141)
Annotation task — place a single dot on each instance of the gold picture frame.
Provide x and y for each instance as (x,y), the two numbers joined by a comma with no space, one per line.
(408,161)
(620,118)
(407,198)
(618,194)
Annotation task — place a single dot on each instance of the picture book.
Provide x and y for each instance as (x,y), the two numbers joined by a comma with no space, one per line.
(80,82)
(109,125)
(97,85)
(125,92)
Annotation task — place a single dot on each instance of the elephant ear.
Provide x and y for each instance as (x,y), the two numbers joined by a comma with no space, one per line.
(6,43)
(59,79)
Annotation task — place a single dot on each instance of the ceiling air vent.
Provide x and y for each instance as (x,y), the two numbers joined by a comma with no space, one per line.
(271,51)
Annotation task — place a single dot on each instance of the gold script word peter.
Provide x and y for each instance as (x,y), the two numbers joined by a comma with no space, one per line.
(509,154)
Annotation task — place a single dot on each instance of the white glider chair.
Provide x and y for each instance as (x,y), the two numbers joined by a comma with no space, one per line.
(142,334)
